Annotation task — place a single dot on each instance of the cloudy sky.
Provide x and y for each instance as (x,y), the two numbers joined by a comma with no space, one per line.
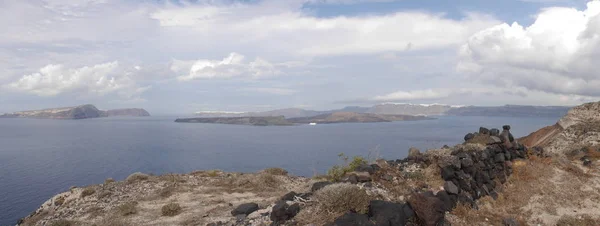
(180,56)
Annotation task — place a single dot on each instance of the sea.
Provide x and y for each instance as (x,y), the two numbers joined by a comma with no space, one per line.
(41,157)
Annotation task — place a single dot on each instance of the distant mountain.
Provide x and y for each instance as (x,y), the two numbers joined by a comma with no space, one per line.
(346,117)
(250,120)
(510,111)
(409,109)
(76,112)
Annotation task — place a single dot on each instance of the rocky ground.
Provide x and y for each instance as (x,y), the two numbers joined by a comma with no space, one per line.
(480,182)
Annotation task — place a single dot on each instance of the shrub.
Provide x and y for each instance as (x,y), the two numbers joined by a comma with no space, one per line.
(62,222)
(135,177)
(166,191)
(337,172)
(109,180)
(87,192)
(340,198)
(212,173)
(59,201)
(276,171)
(171,209)
(128,208)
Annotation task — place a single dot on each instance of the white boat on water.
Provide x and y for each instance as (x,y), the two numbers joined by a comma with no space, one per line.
(312,123)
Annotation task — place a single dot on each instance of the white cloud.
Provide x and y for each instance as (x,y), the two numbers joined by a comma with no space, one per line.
(286,28)
(271,90)
(97,80)
(557,54)
(428,94)
(231,66)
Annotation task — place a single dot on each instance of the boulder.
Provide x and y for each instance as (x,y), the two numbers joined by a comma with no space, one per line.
(466,162)
(430,210)
(289,196)
(318,185)
(448,173)
(483,130)
(413,152)
(245,209)
(450,187)
(494,132)
(469,136)
(353,219)
(365,168)
(449,160)
(352,178)
(385,213)
(494,140)
(362,176)
(282,212)
(449,204)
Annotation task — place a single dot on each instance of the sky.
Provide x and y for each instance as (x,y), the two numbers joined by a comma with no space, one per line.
(183,56)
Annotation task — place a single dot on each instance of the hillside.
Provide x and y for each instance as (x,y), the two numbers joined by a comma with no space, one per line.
(348,117)
(580,128)
(250,121)
(510,111)
(135,112)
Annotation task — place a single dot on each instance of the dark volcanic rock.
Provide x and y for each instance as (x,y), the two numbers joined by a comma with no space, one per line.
(449,204)
(494,132)
(385,213)
(451,187)
(352,219)
(483,130)
(365,168)
(246,208)
(352,178)
(318,185)
(289,196)
(282,212)
(448,173)
(430,210)
(469,136)
(500,158)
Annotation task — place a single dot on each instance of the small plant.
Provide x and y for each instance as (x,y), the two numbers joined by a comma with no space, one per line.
(584,220)
(104,194)
(135,177)
(276,171)
(337,172)
(59,201)
(87,192)
(166,191)
(109,180)
(127,208)
(171,209)
(212,173)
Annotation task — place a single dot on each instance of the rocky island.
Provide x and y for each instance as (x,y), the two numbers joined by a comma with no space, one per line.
(76,112)
(251,121)
(337,117)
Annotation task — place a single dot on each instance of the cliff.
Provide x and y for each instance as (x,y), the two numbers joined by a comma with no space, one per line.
(579,128)
(77,112)
(135,112)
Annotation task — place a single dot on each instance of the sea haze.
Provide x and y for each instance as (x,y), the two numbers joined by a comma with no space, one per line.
(40,158)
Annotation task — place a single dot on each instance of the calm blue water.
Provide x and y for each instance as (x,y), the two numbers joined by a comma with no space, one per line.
(39,158)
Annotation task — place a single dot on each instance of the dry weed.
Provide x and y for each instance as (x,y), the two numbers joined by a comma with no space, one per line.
(276,171)
(582,220)
(128,208)
(87,192)
(135,177)
(171,209)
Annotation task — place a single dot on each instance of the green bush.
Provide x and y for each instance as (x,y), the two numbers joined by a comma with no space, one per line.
(337,172)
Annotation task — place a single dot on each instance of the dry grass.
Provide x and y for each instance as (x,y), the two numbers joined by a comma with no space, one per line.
(171,209)
(276,171)
(128,208)
(109,180)
(333,201)
(63,222)
(135,177)
(257,183)
(582,220)
(167,191)
(87,192)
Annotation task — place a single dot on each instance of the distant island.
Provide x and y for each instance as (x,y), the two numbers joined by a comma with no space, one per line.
(337,117)
(407,109)
(251,121)
(77,112)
